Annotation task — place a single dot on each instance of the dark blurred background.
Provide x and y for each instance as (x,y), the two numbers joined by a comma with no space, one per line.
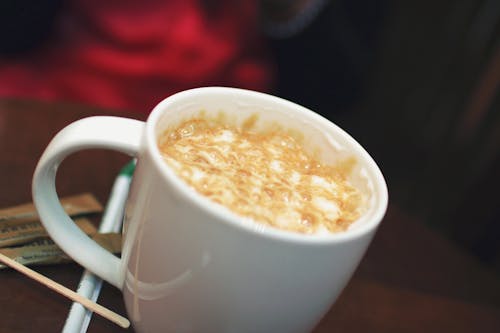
(417,83)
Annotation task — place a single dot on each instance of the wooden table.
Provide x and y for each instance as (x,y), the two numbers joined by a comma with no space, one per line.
(411,280)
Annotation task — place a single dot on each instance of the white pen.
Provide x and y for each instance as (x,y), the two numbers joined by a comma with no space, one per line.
(90,285)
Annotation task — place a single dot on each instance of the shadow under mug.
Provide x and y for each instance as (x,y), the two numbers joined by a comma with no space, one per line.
(190,265)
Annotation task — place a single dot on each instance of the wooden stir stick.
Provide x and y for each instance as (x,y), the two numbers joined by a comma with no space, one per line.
(92,306)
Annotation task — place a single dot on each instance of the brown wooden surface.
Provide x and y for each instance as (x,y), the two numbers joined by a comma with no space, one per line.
(411,280)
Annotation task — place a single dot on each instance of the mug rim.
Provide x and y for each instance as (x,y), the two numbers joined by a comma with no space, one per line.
(369,223)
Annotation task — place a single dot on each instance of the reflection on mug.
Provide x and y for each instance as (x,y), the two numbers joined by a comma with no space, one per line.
(151,291)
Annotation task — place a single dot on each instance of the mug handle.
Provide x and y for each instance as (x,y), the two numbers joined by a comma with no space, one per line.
(116,133)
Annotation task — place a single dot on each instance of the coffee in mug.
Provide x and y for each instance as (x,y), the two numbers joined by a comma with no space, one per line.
(265,176)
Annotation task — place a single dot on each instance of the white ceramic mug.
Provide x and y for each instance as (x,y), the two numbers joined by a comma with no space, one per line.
(189,266)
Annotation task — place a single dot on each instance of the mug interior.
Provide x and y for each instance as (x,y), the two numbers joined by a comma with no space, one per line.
(320,137)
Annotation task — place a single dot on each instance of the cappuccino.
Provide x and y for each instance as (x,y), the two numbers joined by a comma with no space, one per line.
(265,176)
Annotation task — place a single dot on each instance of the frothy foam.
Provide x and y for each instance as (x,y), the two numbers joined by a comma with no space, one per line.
(267,177)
